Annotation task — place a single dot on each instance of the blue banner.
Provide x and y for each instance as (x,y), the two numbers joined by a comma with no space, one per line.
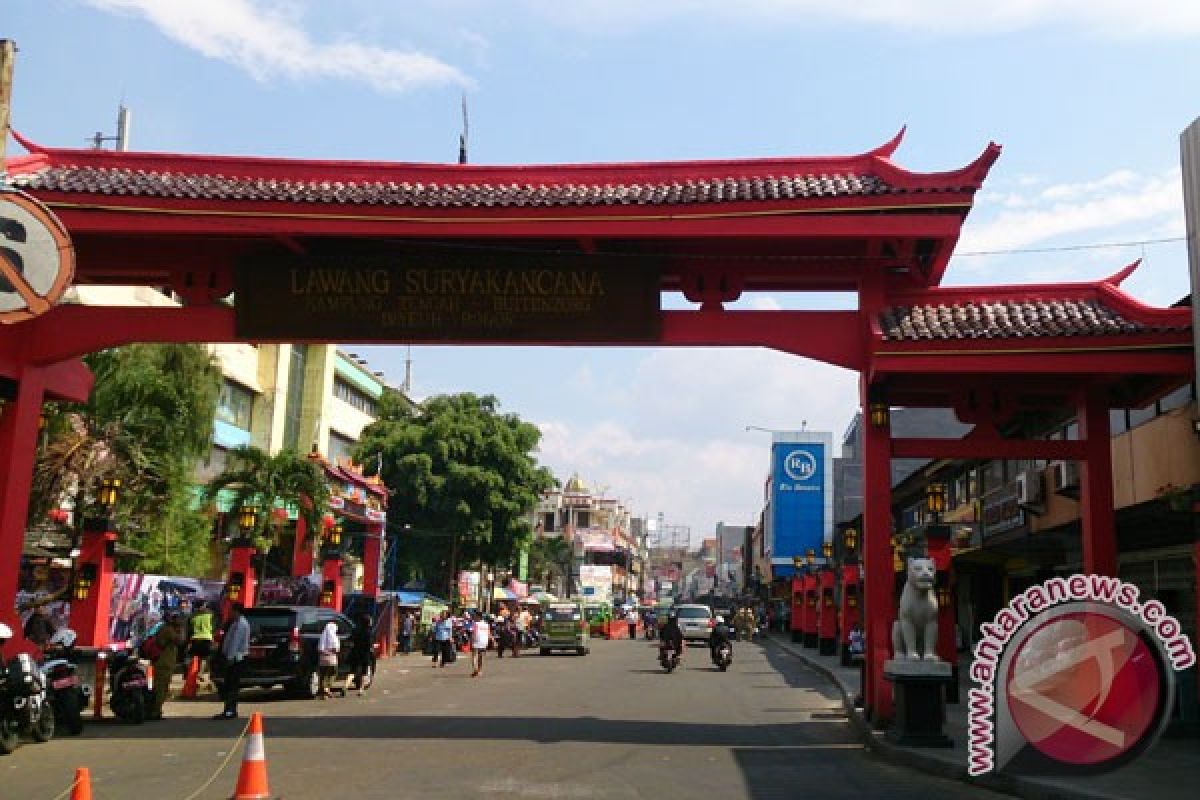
(798,502)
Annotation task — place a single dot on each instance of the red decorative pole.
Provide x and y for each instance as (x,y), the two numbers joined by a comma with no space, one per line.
(851,613)
(797,623)
(241,584)
(826,613)
(302,550)
(331,570)
(810,609)
(91,592)
(372,556)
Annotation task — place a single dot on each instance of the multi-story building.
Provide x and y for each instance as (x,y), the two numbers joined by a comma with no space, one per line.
(313,398)
(607,550)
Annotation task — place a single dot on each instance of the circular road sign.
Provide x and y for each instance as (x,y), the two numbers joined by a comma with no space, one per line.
(37,260)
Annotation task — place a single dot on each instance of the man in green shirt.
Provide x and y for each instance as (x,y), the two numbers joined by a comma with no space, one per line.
(200,639)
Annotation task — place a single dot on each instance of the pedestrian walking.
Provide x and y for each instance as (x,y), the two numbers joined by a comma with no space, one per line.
(328,647)
(361,653)
(406,632)
(481,635)
(443,640)
(518,634)
(168,640)
(200,639)
(234,647)
(631,618)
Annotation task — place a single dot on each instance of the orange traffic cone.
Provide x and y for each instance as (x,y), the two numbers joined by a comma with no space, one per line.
(82,788)
(193,675)
(252,779)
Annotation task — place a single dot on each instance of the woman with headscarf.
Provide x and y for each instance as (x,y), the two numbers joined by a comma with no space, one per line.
(327,658)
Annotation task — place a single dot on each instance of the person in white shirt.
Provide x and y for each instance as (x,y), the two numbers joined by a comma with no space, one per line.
(234,647)
(327,658)
(481,634)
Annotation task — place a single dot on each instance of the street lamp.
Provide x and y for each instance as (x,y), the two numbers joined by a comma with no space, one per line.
(850,538)
(811,557)
(798,562)
(247,518)
(335,535)
(827,551)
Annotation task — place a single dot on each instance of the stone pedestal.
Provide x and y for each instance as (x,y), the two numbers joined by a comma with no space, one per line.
(919,691)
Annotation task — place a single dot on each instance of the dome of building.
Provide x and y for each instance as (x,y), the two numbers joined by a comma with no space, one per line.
(576,485)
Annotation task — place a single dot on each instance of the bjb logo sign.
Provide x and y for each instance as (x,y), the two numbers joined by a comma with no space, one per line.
(800,465)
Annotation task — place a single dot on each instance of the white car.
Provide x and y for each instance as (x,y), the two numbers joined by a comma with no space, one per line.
(696,622)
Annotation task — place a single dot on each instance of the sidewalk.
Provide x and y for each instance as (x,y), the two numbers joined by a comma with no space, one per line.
(1170,771)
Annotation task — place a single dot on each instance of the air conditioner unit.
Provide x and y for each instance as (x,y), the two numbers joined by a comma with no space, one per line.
(1065,477)
(1030,489)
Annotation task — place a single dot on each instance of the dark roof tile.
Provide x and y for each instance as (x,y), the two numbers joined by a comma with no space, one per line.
(1007,319)
(716,189)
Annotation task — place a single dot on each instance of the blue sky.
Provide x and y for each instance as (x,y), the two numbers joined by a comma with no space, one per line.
(1088,98)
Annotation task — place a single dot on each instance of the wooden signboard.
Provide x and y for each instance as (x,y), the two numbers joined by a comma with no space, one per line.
(448,297)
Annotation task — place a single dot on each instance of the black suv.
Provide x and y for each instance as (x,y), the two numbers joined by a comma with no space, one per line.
(283,647)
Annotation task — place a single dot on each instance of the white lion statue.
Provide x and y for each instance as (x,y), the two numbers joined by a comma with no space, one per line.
(914,633)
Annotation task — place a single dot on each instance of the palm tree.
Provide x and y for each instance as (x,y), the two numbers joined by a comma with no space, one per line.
(266,481)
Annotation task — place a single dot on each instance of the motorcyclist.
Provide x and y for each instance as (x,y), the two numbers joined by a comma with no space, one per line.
(720,635)
(672,635)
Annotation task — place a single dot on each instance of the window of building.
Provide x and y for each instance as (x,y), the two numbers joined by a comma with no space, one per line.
(294,407)
(234,405)
(340,447)
(355,397)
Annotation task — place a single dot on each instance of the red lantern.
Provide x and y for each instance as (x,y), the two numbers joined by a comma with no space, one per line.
(327,521)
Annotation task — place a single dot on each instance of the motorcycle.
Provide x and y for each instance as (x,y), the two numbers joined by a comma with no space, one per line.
(23,705)
(66,692)
(651,631)
(130,694)
(722,656)
(668,656)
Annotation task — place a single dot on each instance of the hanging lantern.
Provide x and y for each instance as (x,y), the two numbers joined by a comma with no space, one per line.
(233,589)
(335,535)
(935,498)
(110,492)
(827,550)
(880,414)
(850,539)
(247,518)
(85,578)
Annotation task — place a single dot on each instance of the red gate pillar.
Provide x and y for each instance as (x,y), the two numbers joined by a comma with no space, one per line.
(850,611)
(877,557)
(89,615)
(797,621)
(372,550)
(239,588)
(18,449)
(1096,481)
(826,615)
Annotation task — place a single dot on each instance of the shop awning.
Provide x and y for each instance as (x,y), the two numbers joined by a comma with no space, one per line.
(500,593)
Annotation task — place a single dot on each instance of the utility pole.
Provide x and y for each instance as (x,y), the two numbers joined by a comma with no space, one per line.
(8,53)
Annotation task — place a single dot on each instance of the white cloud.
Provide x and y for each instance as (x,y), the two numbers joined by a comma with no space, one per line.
(1119,18)
(266,40)
(1090,211)
(683,447)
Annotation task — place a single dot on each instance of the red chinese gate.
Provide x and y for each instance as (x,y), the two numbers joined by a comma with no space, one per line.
(708,229)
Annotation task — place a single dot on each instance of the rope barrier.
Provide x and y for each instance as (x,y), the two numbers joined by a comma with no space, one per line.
(221,768)
(232,750)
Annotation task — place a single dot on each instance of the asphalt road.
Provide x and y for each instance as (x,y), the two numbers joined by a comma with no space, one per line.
(607,725)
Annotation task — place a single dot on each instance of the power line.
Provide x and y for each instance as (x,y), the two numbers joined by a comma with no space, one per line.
(1070,247)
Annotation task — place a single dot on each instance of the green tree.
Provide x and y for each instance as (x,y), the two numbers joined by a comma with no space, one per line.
(550,556)
(285,479)
(463,479)
(147,423)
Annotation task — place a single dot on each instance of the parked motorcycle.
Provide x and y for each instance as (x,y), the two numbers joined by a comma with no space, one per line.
(130,694)
(722,656)
(23,705)
(668,656)
(66,692)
